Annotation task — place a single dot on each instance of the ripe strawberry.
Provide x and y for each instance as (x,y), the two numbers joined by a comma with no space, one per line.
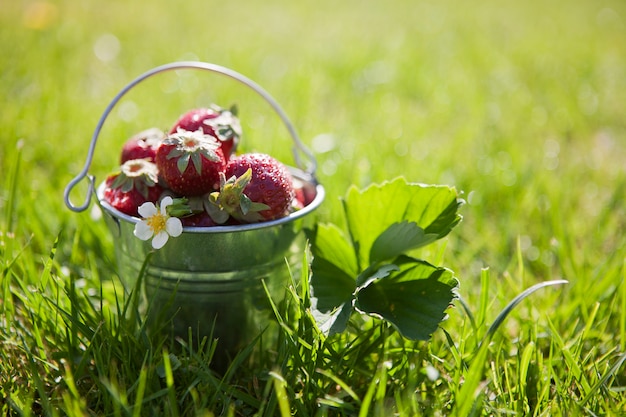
(198,220)
(304,194)
(299,199)
(220,123)
(143,145)
(135,184)
(254,187)
(190,162)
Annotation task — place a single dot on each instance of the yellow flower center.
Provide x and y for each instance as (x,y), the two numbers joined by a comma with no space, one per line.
(157,223)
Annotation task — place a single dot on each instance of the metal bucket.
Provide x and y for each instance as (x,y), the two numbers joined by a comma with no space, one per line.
(211,280)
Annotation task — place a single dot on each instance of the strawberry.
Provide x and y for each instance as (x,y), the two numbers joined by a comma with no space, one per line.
(220,123)
(143,145)
(135,184)
(190,162)
(304,195)
(198,220)
(254,187)
(299,199)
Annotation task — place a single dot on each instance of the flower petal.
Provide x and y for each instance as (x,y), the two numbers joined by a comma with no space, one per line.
(167,201)
(160,240)
(147,209)
(174,226)
(143,231)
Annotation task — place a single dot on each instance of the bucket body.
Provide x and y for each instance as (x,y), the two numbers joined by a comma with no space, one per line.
(213,280)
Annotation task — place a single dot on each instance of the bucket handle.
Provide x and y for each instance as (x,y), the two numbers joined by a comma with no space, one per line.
(298,149)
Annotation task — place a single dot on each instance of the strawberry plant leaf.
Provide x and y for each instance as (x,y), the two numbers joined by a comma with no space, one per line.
(331,287)
(367,276)
(368,270)
(333,322)
(412,298)
(397,239)
(334,267)
(371,211)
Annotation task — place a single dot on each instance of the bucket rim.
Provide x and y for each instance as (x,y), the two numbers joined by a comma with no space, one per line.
(314,204)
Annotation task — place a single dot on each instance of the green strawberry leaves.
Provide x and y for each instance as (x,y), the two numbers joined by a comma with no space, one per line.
(413,297)
(397,239)
(334,267)
(370,212)
(369,270)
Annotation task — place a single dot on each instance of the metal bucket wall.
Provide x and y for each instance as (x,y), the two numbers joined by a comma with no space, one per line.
(212,280)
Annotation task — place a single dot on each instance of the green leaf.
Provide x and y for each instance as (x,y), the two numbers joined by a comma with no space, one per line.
(333,322)
(334,267)
(367,276)
(370,212)
(413,298)
(397,239)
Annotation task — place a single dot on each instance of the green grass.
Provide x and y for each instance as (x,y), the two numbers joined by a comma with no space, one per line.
(520,105)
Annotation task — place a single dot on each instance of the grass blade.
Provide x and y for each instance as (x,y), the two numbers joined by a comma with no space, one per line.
(612,372)
(281,394)
(509,307)
(169,380)
(470,391)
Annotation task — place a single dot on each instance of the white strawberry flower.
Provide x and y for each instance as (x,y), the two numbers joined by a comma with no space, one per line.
(156,222)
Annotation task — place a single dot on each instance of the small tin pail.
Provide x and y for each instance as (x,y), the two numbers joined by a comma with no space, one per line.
(210,279)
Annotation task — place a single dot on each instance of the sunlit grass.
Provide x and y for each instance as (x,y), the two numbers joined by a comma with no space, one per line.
(518,105)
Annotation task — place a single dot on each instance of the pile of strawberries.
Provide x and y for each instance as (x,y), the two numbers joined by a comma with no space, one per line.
(196,164)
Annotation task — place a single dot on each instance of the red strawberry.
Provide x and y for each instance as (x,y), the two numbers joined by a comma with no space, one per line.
(215,121)
(143,145)
(299,200)
(258,188)
(305,194)
(198,220)
(135,184)
(190,162)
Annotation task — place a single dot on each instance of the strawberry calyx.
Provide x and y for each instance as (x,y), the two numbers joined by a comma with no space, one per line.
(191,147)
(226,125)
(182,207)
(230,201)
(136,174)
